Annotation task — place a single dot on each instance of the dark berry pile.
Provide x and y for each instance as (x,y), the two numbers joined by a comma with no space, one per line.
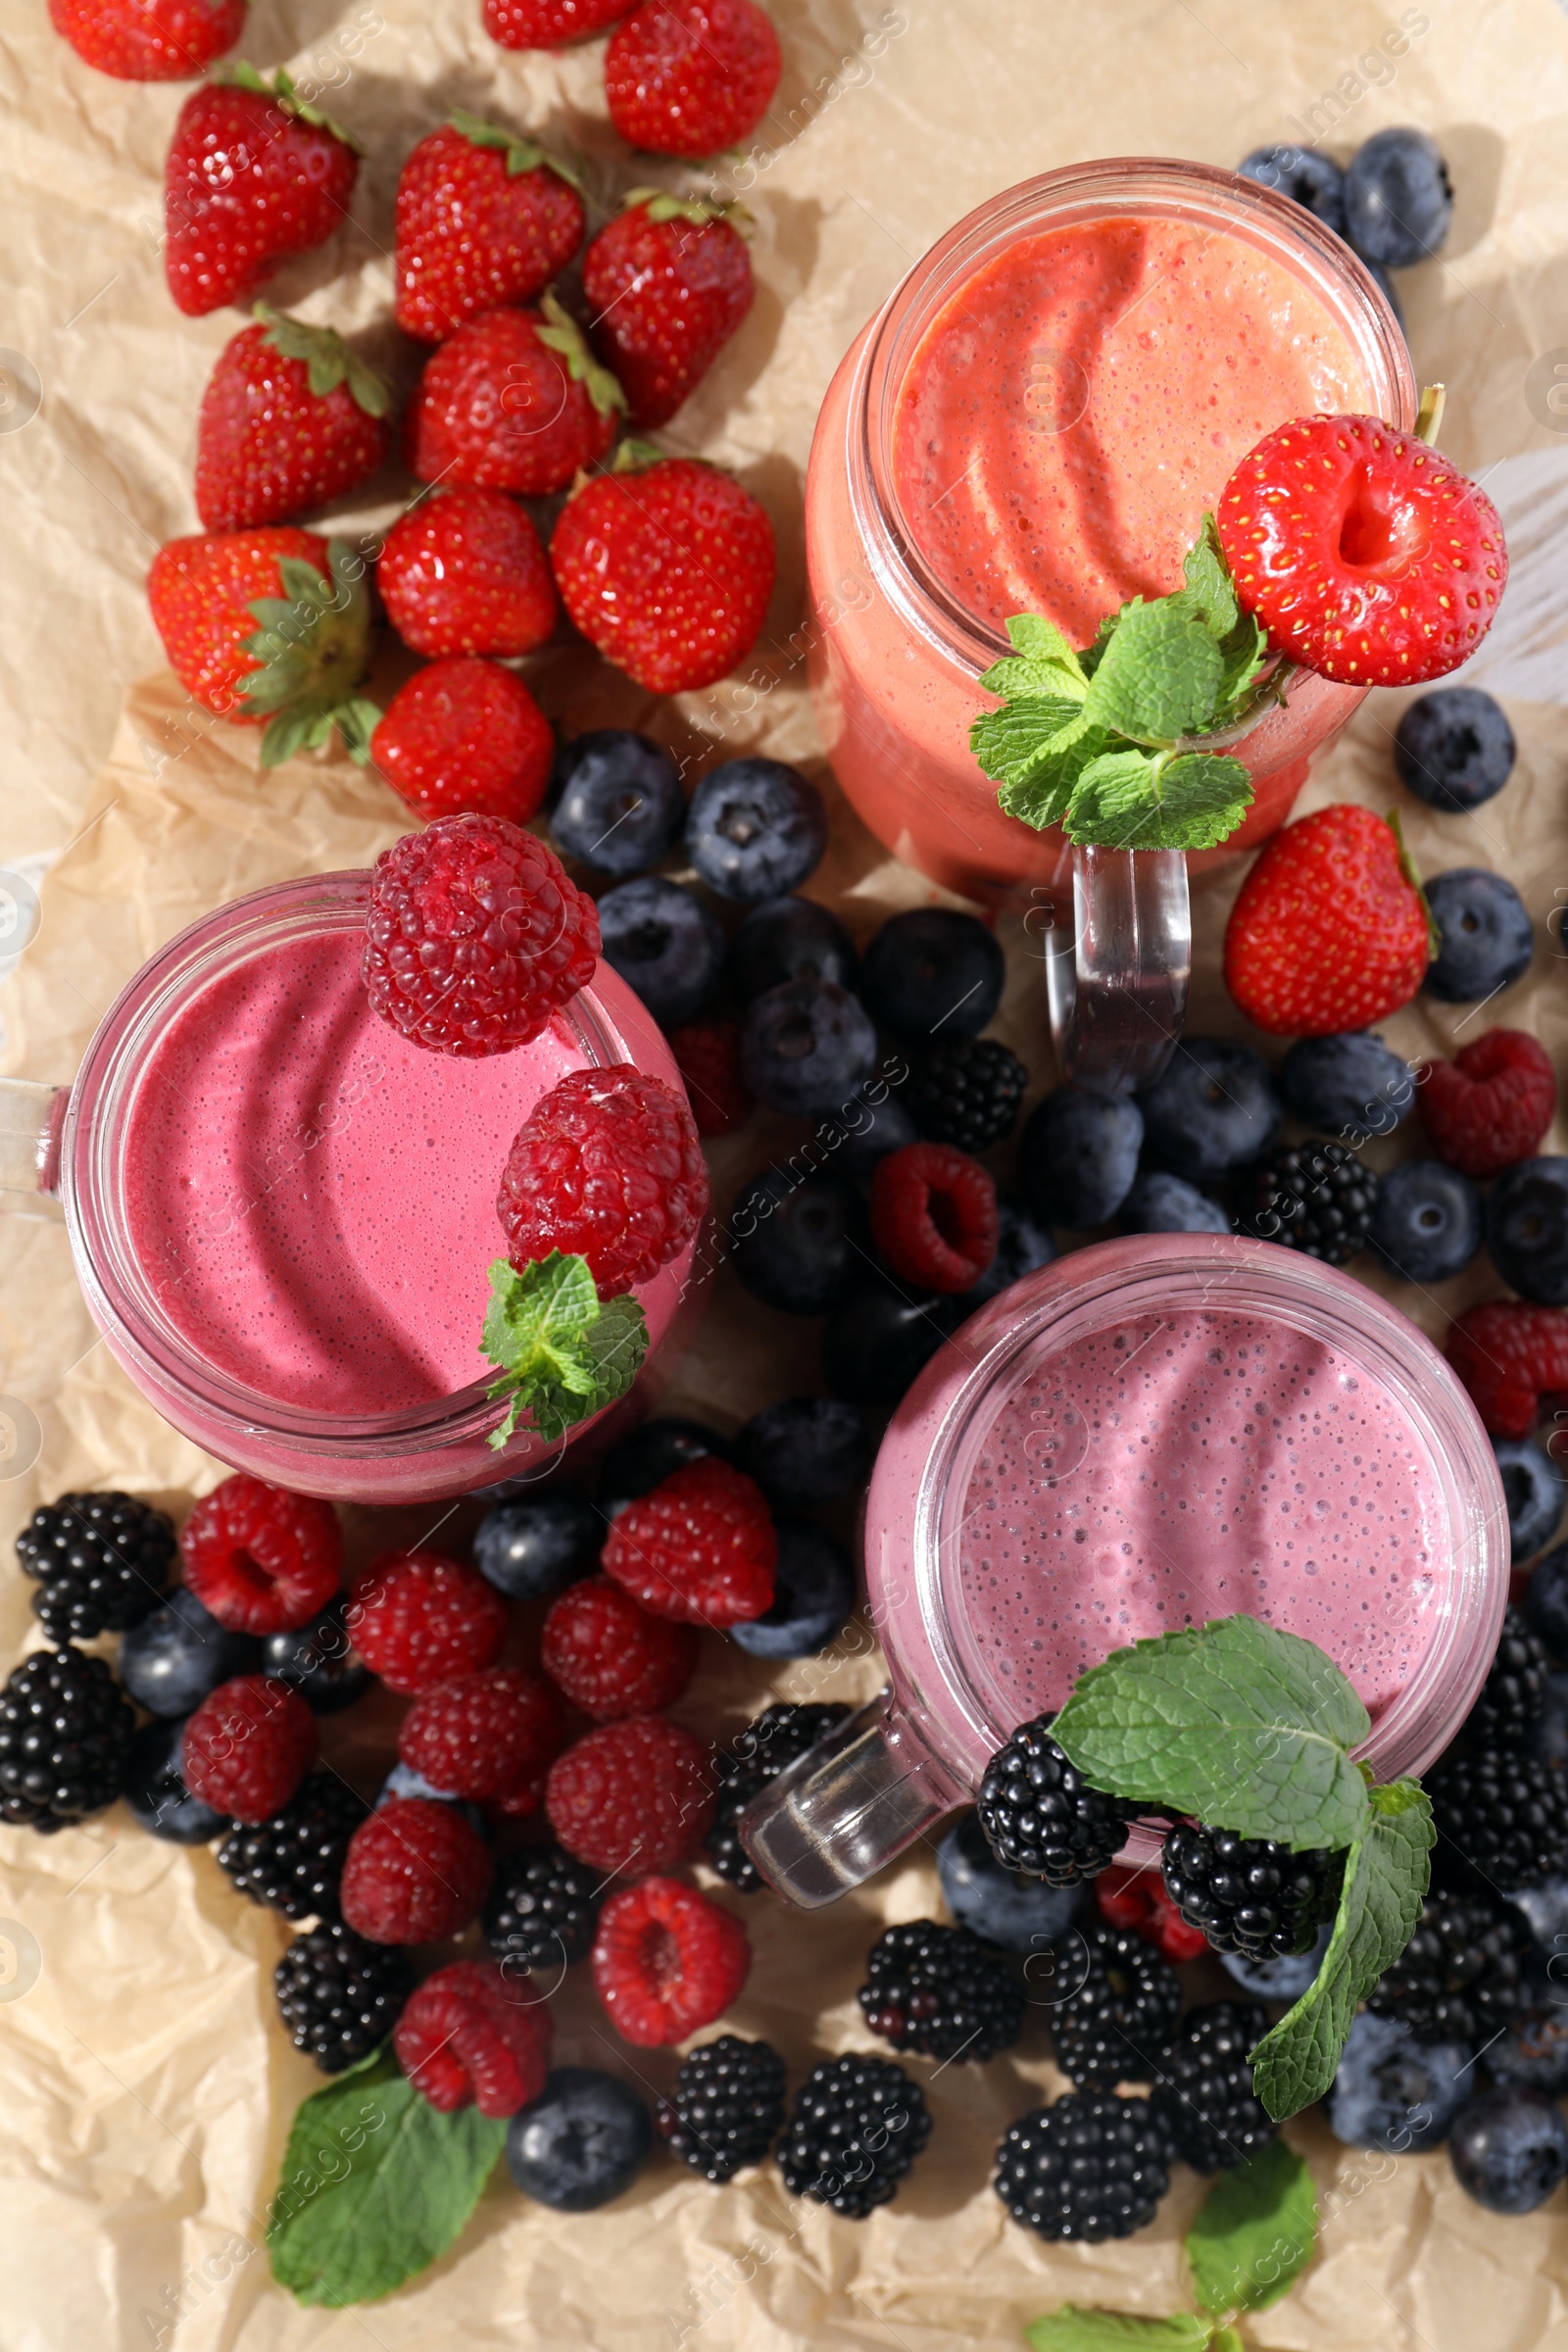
(746,1764)
(1462,1975)
(857,2126)
(65,1739)
(1515,1689)
(1090,2167)
(542,1910)
(941,1991)
(1316,1198)
(1116,2023)
(967,1091)
(101,1562)
(1501,1817)
(339,1996)
(294,1860)
(1040,1817)
(1204,2094)
(1247,1895)
(727,2107)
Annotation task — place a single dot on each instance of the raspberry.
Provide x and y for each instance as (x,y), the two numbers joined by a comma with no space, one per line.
(415,1872)
(605,1167)
(473,936)
(1137,1900)
(708,1054)
(1491,1104)
(419,1618)
(701,1547)
(469,2038)
(635,1791)
(610,1657)
(101,1562)
(248,1747)
(1367,557)
(666,1960)
(1509,1356)
(261,1559)
(485,1737)
(934,1216)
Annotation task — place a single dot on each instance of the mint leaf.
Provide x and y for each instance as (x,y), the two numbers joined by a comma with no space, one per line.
(562,1354)
(1255,2232)
(1385,1876)
(1010,742)
(1041,643)
(1149,801)
(1041,794)
(1071,2329)
(1208,595)
(374,2186)
(1245,651)
(1158,675)
(1235,1722)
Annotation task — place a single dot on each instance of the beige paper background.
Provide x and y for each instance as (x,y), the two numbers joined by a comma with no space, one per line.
(145,2086)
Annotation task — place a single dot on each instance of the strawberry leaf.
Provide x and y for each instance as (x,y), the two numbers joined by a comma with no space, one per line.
(281,92)
(310,647)
(561,1352)
(565,335)
(327,359)
(659,205)
(523,154)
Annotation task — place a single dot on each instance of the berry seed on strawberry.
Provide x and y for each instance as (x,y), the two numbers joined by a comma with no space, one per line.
(1491,1105)
(1366,555)
(1330,932)
(514,402)
(418,1618)
(1510,1356)
(261,1559)
(639,1793)
(547,23)
(415,1872)
(666,1960)
(253,176)
(701,1547)
(667,572)
(612,1658)
(668,282)
(465,736)
(934,1216)
(471,2036)
(607,1166)
(484,216)
(291,419)
(691,77)
(149,41)
(485,1738)
(473,936)
(248,1747)
(463,573)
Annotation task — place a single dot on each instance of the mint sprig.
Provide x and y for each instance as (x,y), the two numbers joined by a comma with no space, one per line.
(1108,743)
(1074,2329)
(562,1353)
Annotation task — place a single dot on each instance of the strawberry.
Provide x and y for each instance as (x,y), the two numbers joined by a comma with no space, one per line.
(1366,556)
(253,176)
(463,573)
(670,281)
(514,402)
(269,628)
(547,23)
(466,737)
(289,420)
(483,216)
(149,41)
(667,572)
(691,77)
(1331,930)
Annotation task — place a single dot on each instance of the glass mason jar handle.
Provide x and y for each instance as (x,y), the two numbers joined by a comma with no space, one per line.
(1118,974)
(31,1117)
(850,1804)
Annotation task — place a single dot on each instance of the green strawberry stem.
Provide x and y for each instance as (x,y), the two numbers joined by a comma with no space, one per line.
(1429,416)
(327,357)
(523,154)
(313,647)
(1413,874)
(281,92)
(564,335)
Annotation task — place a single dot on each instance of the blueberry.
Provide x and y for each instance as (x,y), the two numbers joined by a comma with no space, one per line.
(1394,2093)
(789,939)
(800,1244)
(805,1450)
(1351,1087)
(1078,1156)
(1527,1229)
(1427,1220)
(814,1594)
(1304,175)
(536,1545)
(1399,202)
(1454,749)
(1022,1915)
(650,1456)
(620,807)
(156,1791)
(402,1781)
(1486,937)
(582,2143)
(321,1661)
(1533,2054)
(805,1045)
(1532,1488)
(1509,2149)
(754,829)
(1283,1979)
(173,1660)
(1023,1246)
(880,1338)
(664,944)
(1211,1109)
(933,973)
(862,1131)
(1159,1202)
(1546,1600)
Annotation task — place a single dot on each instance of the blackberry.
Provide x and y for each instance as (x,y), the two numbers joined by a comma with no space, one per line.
(542,1910)
(1248,1896)
(1204,2096)
(1316,1198)
(101,1562)
(1040,1817)
(727,2109)
(856,2127)
(65,1739)
(967,1091)
(294,1860)
(340,1996)
(752,1758)
(941,1991)
(1117,2024)
(1090,2167)
(1515,1690)
(1462,1976)
(1499,1817)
